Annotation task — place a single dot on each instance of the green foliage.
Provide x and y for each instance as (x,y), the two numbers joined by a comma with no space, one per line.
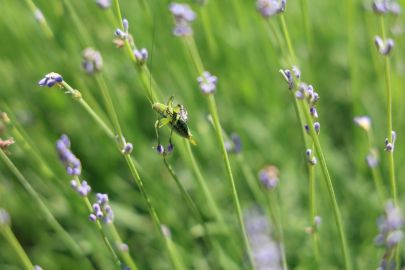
(237,46)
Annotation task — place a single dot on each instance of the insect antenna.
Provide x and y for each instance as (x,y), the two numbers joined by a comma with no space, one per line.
(131,85)
(151,58)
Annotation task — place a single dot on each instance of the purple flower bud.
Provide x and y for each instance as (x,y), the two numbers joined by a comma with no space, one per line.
(77,172)
(299,95)
(268,8)
(104,3)
(379,7)
(4,217)
(88,67)
(389,148)
(60,146)
(69,171)
(314,99)
(237,142)
(309,153)
(297,72)
(73,184)
(65,140)
(99,214)
(283,3)
(50,83)
(92,217)
(125,24)
(389,45)
(313,113)
(160,150)
(317,128)
(124,247)
(120,33)
(166,231)
(394,136)
(144,54)
(43,81)
(105,198)
(107,208)
(200,80)
(96,207)
(58,78)
(128,149)
(107,220)
(371,161)
(317,220)
(307,129)
(82,191)
(394,238)
(99,196)
(169,149)
(379,240)
(98,61)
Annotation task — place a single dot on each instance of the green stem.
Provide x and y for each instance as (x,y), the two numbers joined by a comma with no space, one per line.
(50,219)
(376,173)
(16,246)
(273,29)
(307,25)
(125,254)
(287,38)
(100,229)
(329,185)
(43,23)
(312,210)
(389,128)
(213,109)
(114,119)
(273,205)
(84,37)
(207,193)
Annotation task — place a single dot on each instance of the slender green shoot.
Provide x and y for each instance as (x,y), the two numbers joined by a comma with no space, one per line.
(99,228)
(125,254)
(50,219)
(312,210)
(114,119)
(213,108)
(8,234)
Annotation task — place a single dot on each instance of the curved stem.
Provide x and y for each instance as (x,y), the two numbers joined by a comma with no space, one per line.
(16,246)
(125,254)
(336,213)
(287,38)
(50,219)
(213,109)
(100,229)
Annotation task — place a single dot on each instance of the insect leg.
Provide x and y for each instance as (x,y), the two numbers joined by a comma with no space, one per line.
(156,129)
(170,102)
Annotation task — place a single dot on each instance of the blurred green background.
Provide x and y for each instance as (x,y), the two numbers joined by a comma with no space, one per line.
(236,45)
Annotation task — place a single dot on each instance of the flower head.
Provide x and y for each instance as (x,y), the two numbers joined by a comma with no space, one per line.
(269,176)
(72,164)
(183,16)
(92,61)
(51,79)
(269,8)
(208,83)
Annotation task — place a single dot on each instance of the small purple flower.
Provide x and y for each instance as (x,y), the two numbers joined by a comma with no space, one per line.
(371,161)
(269,177)
(50,79)
(82,191)
(125,23)
(208,85)
(307,129)
(96,207)
(43,81)
(269,8)
(92,217)
(183,17)
(121,34)
(73,184)
(169,149)
(381,7)
(4,217)
(50,83)
(317,128)
(103,4)
(384,48)
(99,214)
(313,113)
(160,150)
(127,149)
(91,60)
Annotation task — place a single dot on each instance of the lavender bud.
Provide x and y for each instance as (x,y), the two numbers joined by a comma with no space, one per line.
(313,113)
(314,99)
(82,191)
(379,8)
(99,196)
(299,95)
(169,149)
(364,122)
(268,8)
(69,171)
(50,83)
(60,146)
(65,140)
(43,81)
(73,184)
(105,198)
(92,217)
(269,177)
(371,161)
(166,231)
(394,136)
(107,221)
(297,72)
(379,240)
(317,127)
(103,4)
(389,45)
(58,78)
(128,149)
(307,129)
(98,61)
(160,150)
(4,217)
(317,220)
(144,54)
(394,238)
(237,143)
(379,43)
(96,207)
(88,67)
(389,148)
(200,80)
(107,208)
(100,214)
(37,267)
(396,8)
(126,25)
(120,34)
(309,153)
